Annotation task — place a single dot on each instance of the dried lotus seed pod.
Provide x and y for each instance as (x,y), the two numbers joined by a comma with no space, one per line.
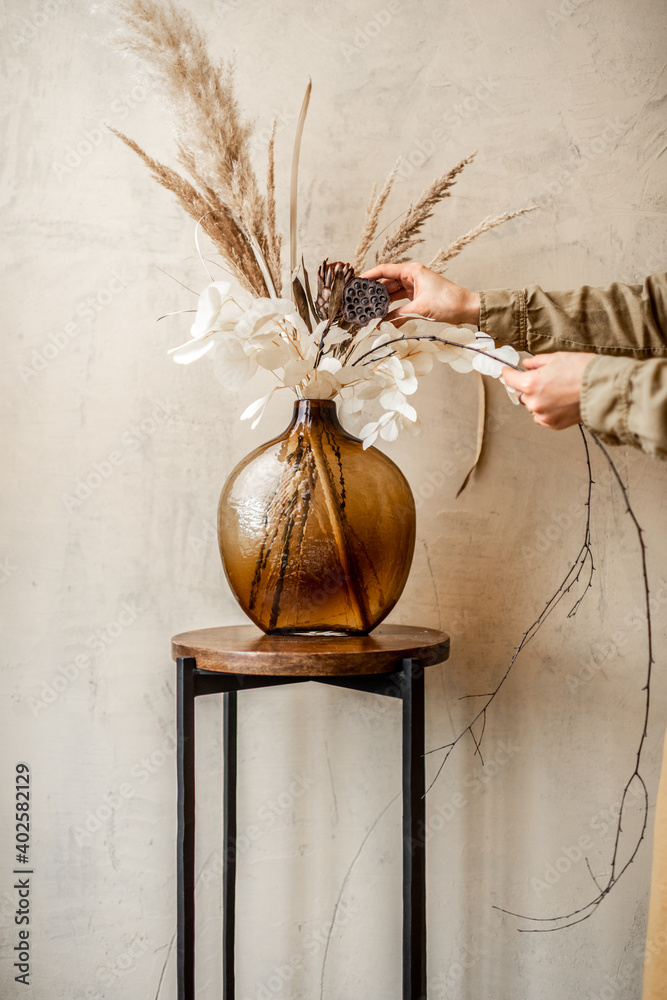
(365,300)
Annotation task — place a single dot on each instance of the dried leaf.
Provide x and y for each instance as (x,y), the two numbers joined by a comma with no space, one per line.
(295,177)
(306,280)
(301,302)
(336,300)
(481,420)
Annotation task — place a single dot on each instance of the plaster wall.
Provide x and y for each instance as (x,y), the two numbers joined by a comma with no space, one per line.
(566,107)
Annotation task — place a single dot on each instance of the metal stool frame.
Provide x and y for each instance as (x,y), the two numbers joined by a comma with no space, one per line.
(406,684)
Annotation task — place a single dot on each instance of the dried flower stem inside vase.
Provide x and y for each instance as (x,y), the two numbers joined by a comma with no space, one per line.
(316,534)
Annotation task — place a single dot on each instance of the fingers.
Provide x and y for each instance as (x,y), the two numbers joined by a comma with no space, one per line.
(395,319)
(538,361)
(385,271)
(519,381)
(390,275)
(550,388)
(397,316)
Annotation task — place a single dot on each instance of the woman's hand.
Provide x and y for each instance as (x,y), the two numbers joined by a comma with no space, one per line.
(551,387)
(430,295)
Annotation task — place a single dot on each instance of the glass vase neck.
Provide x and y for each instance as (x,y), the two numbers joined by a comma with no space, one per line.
(308,410)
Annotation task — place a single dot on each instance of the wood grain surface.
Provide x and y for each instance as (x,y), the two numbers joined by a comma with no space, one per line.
(244,649)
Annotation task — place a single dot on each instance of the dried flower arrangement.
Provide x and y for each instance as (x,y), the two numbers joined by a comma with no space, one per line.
(335,343)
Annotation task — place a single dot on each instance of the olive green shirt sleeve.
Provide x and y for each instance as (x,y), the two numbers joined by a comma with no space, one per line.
(624,396)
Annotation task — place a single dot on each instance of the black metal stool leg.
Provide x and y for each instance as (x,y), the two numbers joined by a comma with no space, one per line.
(229,845)
(414,828)
(185,735)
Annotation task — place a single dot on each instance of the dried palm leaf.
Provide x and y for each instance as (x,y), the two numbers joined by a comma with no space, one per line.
(295,178)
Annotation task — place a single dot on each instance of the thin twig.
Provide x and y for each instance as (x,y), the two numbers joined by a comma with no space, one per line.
(572,577)
(431,337)
(584,912)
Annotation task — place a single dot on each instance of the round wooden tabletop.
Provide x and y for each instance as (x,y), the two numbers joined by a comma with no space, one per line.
(244,649)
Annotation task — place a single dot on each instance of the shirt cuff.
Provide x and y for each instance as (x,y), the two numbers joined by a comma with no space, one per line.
(502,314)
(605,398)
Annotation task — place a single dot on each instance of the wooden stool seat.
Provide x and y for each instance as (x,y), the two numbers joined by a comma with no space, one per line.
(244,649)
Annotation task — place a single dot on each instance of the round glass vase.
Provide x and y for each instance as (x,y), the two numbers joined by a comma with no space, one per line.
(316,534)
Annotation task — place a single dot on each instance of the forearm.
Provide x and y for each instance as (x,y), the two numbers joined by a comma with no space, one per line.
(620,320)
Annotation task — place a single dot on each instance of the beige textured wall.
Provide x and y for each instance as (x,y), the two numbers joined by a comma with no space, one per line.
(566,107)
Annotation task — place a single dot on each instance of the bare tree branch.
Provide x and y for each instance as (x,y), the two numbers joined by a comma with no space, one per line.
(615,872)
(583,560)
(582,568)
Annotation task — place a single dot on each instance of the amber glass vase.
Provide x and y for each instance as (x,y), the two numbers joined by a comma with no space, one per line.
(316,534)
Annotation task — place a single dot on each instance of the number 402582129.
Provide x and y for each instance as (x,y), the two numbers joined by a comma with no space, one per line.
(22,812)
